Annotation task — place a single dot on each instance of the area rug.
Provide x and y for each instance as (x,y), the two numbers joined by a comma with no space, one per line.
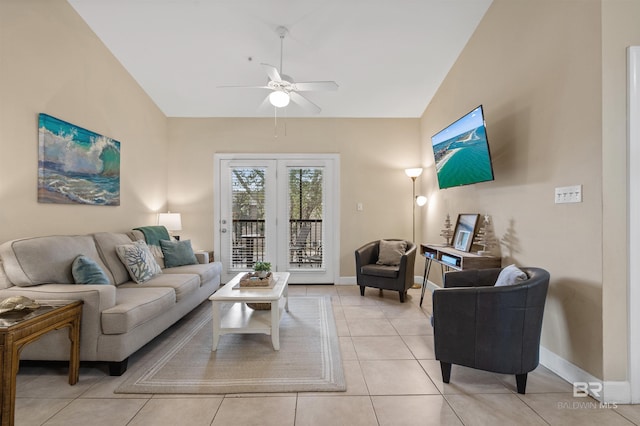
(308,359)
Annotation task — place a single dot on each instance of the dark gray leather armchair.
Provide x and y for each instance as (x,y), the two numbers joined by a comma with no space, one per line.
(398,278)
(489,328)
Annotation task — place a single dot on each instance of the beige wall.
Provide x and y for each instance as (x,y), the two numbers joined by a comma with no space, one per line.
(551,75)
(51,62)
(373,156)
(536,68)
(620,29)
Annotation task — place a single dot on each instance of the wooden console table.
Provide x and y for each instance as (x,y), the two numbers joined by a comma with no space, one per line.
(449,258)
(20,328)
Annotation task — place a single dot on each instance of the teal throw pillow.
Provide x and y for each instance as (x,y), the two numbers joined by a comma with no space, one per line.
(86,271)
(177,253)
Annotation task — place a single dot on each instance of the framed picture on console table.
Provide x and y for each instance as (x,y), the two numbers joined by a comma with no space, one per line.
(465,231)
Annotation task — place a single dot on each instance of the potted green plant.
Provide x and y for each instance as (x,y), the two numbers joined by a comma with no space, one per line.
(262,268)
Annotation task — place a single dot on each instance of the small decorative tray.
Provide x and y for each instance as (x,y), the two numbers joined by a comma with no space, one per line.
(251,280)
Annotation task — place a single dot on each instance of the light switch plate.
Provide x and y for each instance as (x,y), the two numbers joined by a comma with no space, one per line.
(568,194)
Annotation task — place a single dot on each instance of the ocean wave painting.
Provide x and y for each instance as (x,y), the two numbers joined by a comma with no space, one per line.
(75,165)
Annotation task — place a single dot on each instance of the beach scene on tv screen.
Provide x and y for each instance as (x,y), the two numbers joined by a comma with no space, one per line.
(462,153)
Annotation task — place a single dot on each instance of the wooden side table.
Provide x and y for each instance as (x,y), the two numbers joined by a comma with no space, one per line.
(17,329)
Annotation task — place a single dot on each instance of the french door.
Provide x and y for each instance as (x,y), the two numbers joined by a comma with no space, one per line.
(278,209)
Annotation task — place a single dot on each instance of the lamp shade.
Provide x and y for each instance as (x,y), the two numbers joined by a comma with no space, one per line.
(421,200)
(279,99)
(171,221)
(413,172)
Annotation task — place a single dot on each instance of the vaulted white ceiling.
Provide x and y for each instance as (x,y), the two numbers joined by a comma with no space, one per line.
(388,56)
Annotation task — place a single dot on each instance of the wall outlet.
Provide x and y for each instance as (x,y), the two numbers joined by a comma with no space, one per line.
(359,207)
(568,194)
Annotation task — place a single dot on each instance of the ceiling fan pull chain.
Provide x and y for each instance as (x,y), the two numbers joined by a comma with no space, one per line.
(275,123)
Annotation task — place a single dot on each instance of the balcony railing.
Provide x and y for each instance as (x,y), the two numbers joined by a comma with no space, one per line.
(305,243)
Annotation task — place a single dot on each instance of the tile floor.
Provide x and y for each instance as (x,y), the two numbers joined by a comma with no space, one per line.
(392,379)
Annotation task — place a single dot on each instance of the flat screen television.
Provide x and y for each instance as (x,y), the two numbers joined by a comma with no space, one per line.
(461,151)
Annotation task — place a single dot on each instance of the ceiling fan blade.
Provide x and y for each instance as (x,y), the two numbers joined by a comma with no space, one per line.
(272,72)
(243,87)
(310,86)
(265,104)
(304,102)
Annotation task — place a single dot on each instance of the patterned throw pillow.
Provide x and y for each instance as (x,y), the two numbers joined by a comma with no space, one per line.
(139,261)
(86,271)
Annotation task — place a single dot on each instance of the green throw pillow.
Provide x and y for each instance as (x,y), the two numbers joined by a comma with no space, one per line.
(86,271)
(177,253)
(139,261)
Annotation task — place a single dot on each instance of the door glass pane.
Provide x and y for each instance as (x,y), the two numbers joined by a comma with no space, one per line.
(248,212)
(305,217)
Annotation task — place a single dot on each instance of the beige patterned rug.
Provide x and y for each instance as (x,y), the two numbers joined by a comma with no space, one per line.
(308,359)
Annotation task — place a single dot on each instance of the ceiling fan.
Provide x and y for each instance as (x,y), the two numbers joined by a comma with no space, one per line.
(284,89)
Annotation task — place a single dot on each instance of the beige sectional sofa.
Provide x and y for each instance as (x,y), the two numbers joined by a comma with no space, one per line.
(117,318)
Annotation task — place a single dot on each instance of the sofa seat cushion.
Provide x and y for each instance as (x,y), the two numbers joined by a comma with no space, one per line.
(135,306)
(206,271)
(384,271)
(182,284)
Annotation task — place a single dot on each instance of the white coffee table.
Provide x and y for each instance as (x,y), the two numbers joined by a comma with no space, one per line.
(241,319)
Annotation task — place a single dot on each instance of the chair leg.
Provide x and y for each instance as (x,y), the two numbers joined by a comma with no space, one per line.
(521,382)
(445,367)
(402,294)
(361,290)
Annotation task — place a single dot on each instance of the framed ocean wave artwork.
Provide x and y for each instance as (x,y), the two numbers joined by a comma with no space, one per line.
(76,165)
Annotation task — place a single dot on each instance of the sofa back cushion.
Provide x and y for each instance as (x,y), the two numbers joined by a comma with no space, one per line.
(106,243)
(47,260)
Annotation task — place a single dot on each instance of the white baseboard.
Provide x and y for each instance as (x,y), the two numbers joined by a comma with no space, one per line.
(617,392)
(611,392)
(346,281)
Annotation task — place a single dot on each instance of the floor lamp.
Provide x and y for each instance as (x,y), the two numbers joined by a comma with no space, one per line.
(413,173)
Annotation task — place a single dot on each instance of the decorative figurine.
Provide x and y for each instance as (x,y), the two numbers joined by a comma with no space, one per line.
(485,237)
(447,232)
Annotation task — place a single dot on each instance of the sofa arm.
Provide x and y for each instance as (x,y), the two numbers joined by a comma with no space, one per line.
(101,296)
(96,298)
(202,256)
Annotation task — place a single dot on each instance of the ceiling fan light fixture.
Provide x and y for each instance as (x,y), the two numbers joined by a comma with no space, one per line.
(279,99)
